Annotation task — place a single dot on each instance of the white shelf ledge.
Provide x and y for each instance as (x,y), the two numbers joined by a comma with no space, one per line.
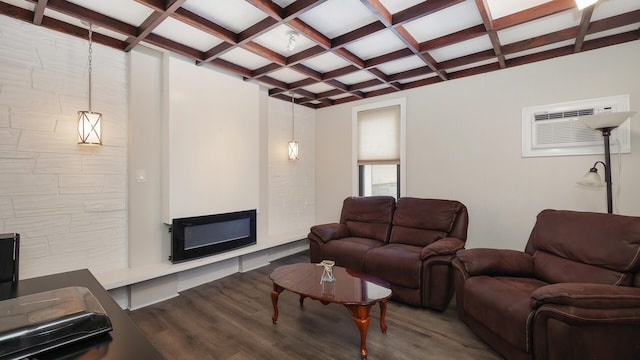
(123,277)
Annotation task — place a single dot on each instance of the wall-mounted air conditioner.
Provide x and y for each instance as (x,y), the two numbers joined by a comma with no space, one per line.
(555,130)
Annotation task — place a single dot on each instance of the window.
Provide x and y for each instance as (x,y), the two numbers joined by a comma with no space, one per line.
(378,151)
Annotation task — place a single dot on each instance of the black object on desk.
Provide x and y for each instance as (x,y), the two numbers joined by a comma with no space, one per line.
(124,342)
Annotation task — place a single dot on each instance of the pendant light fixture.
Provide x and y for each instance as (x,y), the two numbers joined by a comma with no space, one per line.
(89,122)
(293,145)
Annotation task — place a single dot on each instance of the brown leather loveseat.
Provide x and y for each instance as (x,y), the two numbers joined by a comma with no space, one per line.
(572,294)
(409,243)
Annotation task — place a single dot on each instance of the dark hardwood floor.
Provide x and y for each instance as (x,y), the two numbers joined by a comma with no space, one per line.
(230,319)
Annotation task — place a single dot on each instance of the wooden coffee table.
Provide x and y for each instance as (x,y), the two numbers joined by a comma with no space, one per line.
(356,291)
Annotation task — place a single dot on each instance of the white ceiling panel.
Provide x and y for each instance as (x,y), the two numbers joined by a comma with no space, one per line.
(245,58)
(469,66)
(462,49)
(355,77)
(325,62)
(318,88)
(278,39)
(235,15)
(540,49)
(556,22)
(400,65)
(336,17)
(395,6)
(447,21)
(74,21)
(382,42)
(180,32)
(615,31)
(609,8)
(287,75)
(416,78)
(126,11)
(501,8)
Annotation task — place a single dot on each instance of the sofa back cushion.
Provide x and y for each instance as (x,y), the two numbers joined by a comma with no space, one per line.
(571,246)
(420,222)
(368,217)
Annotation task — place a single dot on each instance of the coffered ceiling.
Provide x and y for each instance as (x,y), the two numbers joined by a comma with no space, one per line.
(344,50)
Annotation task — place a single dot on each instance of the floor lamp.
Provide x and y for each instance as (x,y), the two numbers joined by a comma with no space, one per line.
(605,123)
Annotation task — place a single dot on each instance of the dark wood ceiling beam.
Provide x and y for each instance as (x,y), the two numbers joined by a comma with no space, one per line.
(339,72)
(171,45)
(348,99)
(308,94)
(271,81)
(59,26)
(611,40)
(421,82)
(91,17)
(388,90)
(310,32)
(381,12)
(468,59)
(395,55)
(483,8)
(338,85)
(544,55)
(542,40)
(420,10)
(365,84)
(269,68)
(421,71)
(38,12)
(153,21)
(299,7)
(305,54)
(205,25)
(536,12)
(357,34)
(243,39)
(475,70)
(293,86)
(265,53)
(450,39)
(329,93)
(380,75)
(613,22)
(307,71)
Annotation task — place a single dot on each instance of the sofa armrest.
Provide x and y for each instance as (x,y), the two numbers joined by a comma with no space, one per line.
(444,246)
(585,295)
(328,232)
(500,262)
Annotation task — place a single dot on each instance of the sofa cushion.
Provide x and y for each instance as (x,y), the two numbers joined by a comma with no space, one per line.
(368,217)
(349,252)
(555,269)
(584,238)
(398,264)
(420,222)
(502,305)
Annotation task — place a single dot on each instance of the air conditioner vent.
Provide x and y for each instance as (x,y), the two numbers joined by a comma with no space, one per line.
(556,130)
(563,114)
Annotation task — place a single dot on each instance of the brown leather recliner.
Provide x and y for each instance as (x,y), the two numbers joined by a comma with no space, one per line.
(409,243)
(574,293)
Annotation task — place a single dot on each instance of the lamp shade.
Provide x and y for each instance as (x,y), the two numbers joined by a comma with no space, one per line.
(591,178)
(293,150)
(610,120)
(89,128)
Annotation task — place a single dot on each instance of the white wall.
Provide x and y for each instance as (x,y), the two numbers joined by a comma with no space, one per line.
(68,202)
(463,142)
(79,207)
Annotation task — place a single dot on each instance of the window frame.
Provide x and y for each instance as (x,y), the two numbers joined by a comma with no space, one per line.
(402,168)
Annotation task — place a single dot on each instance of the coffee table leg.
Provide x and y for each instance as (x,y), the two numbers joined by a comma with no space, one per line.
(361,317)
(274,299)
(383,312)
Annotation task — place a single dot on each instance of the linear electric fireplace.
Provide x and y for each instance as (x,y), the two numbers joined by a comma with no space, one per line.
(201,236)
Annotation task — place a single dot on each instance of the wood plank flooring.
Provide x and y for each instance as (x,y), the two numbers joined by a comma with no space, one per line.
(230,319)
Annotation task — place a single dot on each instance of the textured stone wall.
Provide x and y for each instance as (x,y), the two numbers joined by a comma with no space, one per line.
(68,202)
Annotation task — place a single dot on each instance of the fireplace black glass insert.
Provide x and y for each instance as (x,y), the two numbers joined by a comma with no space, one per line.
(201,236)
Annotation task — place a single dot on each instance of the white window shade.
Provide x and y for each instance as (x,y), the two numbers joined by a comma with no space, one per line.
(379,136)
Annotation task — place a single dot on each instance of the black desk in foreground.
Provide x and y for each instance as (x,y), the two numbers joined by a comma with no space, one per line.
(124,342)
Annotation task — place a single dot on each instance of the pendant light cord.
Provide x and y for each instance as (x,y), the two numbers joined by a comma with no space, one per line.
(90,62)
(293,122)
